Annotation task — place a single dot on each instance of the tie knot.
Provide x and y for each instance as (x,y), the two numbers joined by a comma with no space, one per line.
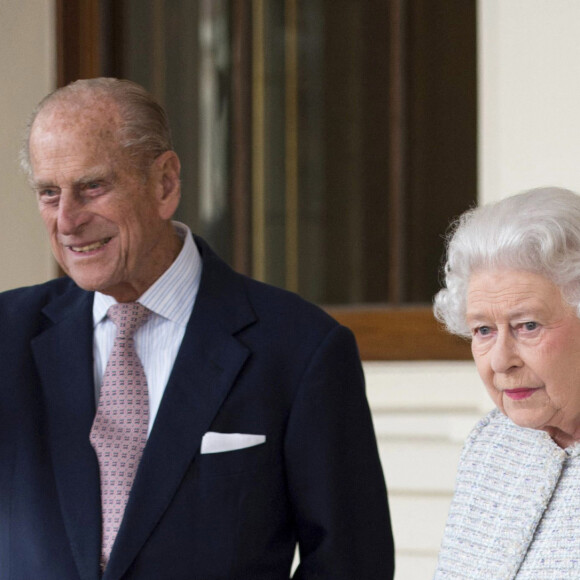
(128,317)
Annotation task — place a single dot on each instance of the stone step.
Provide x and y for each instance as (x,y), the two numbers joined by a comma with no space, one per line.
(418,522)
(425,386)
(424,467)
(432,426)
(413,567)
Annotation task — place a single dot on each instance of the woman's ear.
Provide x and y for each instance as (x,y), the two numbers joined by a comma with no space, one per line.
(167,169)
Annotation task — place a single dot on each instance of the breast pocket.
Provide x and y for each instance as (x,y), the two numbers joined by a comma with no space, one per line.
(232,453)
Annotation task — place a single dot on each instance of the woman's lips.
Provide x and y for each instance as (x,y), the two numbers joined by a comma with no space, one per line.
(518,394)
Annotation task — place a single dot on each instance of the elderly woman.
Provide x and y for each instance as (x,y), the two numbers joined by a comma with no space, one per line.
(512,285)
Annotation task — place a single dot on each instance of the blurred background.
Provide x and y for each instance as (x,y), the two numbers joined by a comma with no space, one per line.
(326,145)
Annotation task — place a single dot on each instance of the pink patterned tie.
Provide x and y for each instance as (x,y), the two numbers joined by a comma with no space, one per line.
(119,431)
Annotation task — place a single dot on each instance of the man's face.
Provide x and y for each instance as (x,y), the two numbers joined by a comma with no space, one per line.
(106,225)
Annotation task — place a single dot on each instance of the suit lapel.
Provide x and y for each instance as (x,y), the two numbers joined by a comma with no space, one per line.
(63,354)
(209,360)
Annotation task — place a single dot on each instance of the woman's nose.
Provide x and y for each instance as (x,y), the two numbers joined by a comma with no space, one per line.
(505,354)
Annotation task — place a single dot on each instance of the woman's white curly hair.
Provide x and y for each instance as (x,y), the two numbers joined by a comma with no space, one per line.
(536,231)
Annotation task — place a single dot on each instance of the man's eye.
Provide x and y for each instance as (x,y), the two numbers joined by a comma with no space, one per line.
(93,187)
(48,193)
(529,326)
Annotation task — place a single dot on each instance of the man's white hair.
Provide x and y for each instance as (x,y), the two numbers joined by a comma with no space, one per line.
(144,133)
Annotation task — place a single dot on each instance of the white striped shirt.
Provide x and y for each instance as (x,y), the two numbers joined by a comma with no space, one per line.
(171,299)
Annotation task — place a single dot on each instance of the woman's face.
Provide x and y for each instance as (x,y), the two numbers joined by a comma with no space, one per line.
(526,345)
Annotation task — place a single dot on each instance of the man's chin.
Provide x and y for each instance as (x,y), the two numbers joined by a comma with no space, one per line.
(89,283)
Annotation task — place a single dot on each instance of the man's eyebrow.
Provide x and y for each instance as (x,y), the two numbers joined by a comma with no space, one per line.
(96,175)
(41,184)
(105,175)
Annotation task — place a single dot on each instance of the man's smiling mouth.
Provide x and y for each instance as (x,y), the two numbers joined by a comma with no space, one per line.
(90,247)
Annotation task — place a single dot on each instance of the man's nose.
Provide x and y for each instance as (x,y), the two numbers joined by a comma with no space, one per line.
(505,354)
(71,214)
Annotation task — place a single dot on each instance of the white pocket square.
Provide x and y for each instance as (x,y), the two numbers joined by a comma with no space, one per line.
(213,442)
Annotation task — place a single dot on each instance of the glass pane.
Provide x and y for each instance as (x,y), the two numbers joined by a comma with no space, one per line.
(332,158)
(179,50)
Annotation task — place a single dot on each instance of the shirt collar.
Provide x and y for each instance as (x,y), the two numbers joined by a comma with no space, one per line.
(173,295)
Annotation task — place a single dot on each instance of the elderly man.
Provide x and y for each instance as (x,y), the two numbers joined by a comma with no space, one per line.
(162,417)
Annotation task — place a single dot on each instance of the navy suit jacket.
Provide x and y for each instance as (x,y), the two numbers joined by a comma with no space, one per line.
(255,360)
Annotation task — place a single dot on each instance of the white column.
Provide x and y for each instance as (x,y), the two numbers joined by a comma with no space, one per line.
(529,87)
(27,70)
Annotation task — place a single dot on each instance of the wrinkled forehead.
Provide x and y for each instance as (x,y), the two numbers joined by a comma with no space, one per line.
(83,115)
(73,142)
(64,128)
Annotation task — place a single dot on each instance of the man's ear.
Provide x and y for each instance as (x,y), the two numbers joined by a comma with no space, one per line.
(167,168)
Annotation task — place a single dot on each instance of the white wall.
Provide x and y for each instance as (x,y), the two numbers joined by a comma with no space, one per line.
(529,71)
(27,70)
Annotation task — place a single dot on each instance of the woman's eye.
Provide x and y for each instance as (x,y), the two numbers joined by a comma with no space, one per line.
(482,330)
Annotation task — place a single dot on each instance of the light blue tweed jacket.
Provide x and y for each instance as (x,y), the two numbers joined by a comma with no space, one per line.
(516,509)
